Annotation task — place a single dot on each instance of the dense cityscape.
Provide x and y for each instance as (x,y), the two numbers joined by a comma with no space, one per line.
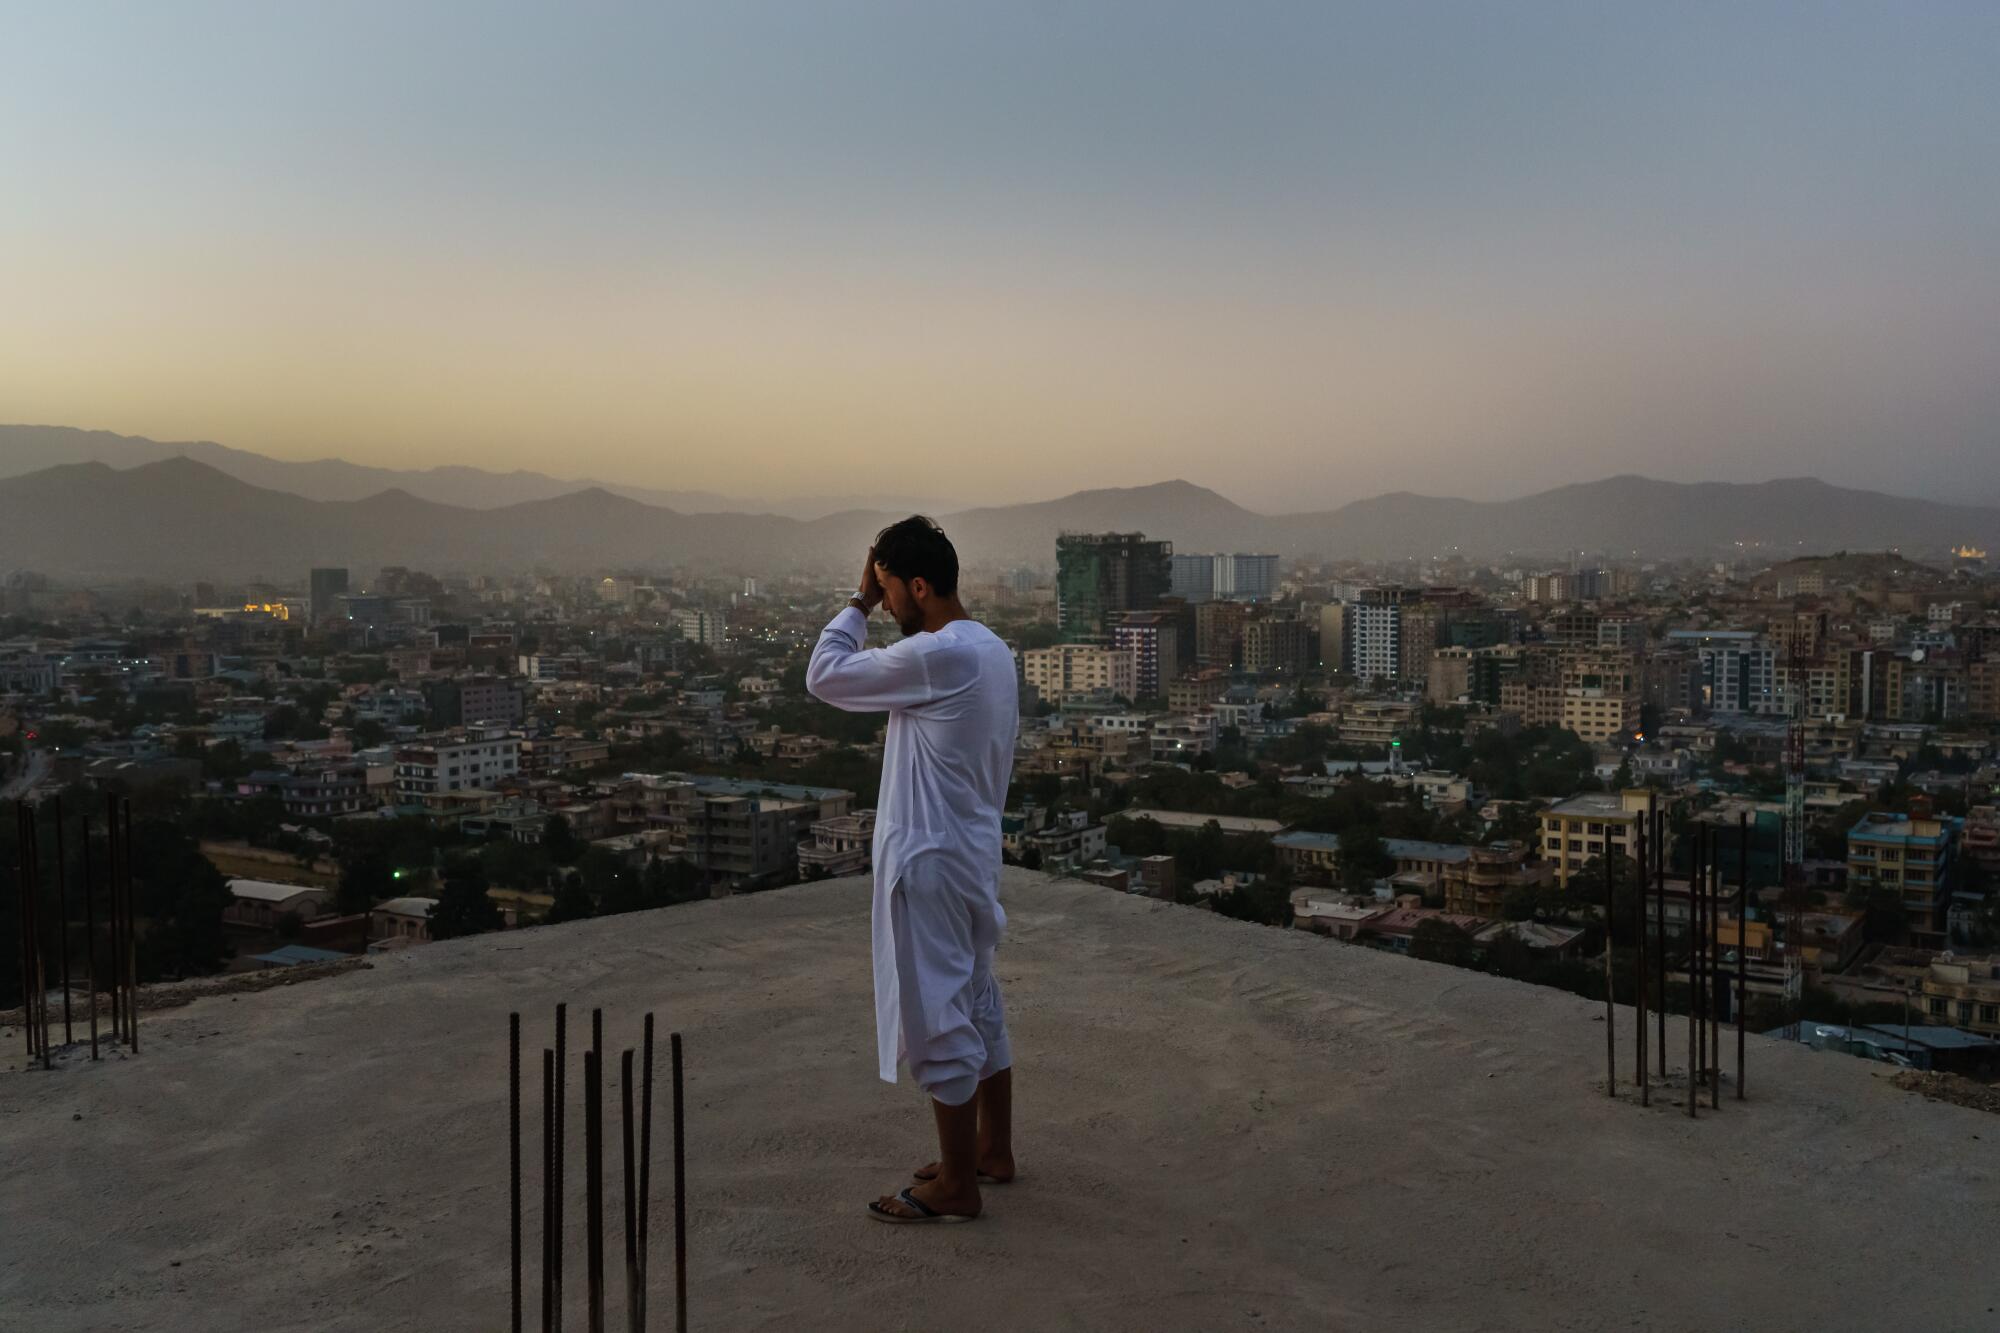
(1436,758)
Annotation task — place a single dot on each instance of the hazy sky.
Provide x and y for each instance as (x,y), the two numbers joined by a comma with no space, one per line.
(1301,253)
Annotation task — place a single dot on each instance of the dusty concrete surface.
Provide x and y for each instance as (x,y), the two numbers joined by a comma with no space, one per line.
(1221,1126)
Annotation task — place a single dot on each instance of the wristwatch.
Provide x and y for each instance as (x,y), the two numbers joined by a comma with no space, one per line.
(858,605)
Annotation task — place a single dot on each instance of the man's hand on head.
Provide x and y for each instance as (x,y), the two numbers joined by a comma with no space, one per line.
(871,586)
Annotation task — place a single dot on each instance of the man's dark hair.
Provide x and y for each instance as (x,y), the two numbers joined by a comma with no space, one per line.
(917,548)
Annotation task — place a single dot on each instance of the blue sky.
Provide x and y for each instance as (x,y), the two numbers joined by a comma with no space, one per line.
(1300,253)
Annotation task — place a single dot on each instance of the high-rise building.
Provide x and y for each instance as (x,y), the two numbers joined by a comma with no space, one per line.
(1626,633)
(1274,644)
(1374,634)
(706,628)
(1601,695)
(1101,573)
(1153,639)
(1546,588)
(474,701)
(1232,576)
(1912,856)
(1246,578)
(1739,669)
(1333,636)
(1192,577)
(1218,633)
(326,588)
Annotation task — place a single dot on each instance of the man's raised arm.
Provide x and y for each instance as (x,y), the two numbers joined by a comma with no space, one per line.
(865,680)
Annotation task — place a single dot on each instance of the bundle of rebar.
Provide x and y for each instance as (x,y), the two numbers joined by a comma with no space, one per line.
(122,935)
(636,1139)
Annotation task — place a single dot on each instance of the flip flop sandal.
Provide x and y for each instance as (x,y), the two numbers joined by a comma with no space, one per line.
(924,1212)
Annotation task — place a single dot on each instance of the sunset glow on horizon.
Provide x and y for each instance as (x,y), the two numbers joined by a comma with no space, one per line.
(1298,253)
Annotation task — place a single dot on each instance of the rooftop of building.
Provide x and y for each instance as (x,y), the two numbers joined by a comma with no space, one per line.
(1221,1126)
(267,891)
(711,785)
(1402,849)
(1191,819)
(1593,805)
(1882,825)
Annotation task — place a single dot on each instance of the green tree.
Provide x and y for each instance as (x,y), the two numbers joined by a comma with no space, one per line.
(1363,858)
(180,897)
(671,880)
(514,865)
(366,878)
(463,905)
(560,841)
(1438,941)
(573,902)
(1266,901)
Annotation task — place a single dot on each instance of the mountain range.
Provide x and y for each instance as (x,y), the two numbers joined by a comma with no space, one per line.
(178,519)
(25,449)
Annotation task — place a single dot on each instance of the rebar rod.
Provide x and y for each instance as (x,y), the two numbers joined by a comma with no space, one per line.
(548,1190)
(132,926)
(1610,993)
(1742,945)
(90,933)
(25,922)
(680,1196)
(1639,971)
(593,1183)
(632,1324)
(62,920)
(1693,1026)
(1660,937)
(514,1165)
(562,1096)
(646,1173)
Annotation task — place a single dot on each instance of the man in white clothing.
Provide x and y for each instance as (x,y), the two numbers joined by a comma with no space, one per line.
(949,689)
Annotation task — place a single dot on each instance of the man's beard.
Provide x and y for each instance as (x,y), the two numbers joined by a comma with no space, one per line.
(911,623)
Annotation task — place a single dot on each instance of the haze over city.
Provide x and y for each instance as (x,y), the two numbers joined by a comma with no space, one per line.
(1297,253)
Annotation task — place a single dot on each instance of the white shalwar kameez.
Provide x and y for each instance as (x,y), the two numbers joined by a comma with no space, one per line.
(953,711)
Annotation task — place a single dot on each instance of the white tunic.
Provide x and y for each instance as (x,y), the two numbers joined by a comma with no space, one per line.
(953,706)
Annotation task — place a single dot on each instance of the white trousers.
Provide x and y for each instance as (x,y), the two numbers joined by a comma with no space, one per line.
(953,1019)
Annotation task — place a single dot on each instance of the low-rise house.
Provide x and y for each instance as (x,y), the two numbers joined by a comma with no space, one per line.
(1069,842)
(1964,992)
(520,821)
(1395,928)
(1182,738)
(259,904)
(1341,919)
(1544,937)
(843,845)
(401,921)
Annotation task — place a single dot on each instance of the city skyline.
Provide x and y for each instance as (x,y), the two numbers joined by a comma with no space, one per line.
(1452,251)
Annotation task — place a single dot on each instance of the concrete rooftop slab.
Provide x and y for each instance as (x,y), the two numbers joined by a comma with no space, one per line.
(1220,1126)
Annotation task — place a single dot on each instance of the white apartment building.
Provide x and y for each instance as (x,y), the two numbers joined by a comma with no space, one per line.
(1079,668)
(1374,640)
(1739,669)
(707,628)
(462,762)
